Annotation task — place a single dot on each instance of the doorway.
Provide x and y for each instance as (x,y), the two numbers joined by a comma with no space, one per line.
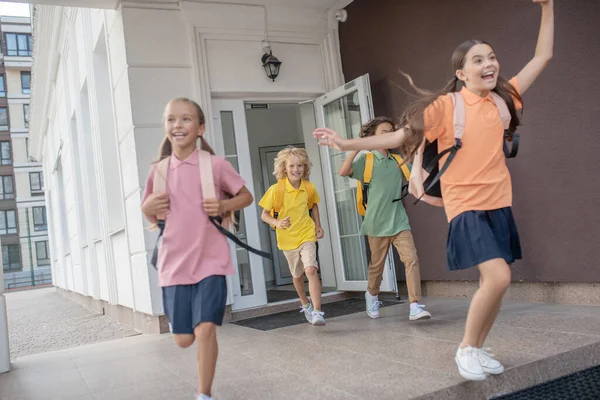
(244,131)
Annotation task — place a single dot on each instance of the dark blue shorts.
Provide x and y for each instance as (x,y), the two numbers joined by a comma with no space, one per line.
(478,236)
(188,305)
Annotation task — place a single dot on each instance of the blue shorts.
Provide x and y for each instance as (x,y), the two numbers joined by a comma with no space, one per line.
(187,306)
(478,236)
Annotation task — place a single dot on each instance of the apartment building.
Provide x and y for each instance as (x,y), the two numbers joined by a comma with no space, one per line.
(23,227)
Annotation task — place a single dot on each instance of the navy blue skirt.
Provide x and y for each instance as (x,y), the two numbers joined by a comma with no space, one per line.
(478,236)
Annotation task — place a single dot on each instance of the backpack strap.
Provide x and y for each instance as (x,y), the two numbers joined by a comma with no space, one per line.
(368,172)
(502,109)
(278,197)
(508,137)
(406,173)
(310,193)
(160,180)
(459,129)
(459,114)
(403,165)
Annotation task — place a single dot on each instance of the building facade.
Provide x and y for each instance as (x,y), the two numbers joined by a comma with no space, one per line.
(102,77)
(25,249)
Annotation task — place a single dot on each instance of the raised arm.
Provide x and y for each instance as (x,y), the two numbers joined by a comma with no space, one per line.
(328,137)
(346,168)
(543,50)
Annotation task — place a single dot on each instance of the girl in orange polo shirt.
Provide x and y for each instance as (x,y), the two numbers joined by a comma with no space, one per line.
(476,188)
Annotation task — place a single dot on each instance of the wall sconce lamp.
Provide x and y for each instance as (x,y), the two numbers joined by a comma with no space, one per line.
(270,63)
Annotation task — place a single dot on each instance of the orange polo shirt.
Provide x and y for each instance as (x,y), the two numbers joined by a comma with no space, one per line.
(478,178)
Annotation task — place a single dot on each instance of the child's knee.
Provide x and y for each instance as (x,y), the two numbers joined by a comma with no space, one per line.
(184,341)
(205,330)
(311,272)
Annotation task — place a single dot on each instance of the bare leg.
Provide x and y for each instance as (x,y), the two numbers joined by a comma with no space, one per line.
(490,321)
(208,351)
(485,303)
(314,287)
(299,285)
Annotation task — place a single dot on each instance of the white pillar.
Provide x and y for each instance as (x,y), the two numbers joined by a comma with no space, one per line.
(4,348)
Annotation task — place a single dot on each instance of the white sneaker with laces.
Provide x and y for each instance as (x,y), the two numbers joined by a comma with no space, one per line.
(317,318)
(417,311)
(488,363)
(373,305)
(467,360)
(307,312)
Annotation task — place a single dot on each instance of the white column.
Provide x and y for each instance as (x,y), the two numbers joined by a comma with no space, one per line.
(4,348)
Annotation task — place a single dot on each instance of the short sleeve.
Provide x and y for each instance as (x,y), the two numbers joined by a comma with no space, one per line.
(358,167)
(229,180)
(436,116)
(149,184)
(267,200)
(515,83)
(316,198)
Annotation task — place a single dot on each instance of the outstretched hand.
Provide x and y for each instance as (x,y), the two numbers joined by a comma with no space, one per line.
(330,138)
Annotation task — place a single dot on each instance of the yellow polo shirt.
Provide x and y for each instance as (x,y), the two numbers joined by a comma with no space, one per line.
(295,206)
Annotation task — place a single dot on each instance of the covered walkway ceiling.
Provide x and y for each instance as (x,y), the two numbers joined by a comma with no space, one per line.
(113,4)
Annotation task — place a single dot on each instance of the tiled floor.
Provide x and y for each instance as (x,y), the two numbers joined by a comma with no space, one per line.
(353,357)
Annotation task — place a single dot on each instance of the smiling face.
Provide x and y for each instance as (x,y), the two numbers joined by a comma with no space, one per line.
(294,169)
(480,69)
(182,125)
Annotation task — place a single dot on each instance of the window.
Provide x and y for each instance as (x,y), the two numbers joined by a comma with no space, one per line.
(2,86)
(36,183)
(11,257)
(26,82)
(26,115)
(42,254)
(8,222)
(7,190)
(39,219)
(5,158)
(19,44)
(3,119)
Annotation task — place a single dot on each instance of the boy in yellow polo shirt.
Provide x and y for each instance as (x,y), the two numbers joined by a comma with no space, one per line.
(287,206)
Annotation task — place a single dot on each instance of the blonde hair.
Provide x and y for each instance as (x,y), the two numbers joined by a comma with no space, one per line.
(166,149)
(285,155)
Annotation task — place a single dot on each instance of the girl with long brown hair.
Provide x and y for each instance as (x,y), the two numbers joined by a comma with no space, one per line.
(476,188)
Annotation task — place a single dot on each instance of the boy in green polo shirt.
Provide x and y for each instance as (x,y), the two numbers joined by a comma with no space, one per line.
(385,221)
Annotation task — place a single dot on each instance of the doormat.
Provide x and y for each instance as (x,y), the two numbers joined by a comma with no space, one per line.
(583,385)
(295,317)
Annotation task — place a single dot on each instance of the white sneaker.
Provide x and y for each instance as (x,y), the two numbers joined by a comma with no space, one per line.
(373,305)
(488,363)
(307,312)
(417,311)
(317,318)
(203,397)
(467,360)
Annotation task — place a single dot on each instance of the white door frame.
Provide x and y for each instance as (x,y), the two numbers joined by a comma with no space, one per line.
(362,86)
(259,292)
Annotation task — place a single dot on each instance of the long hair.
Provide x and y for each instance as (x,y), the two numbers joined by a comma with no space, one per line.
(166,149)
(285,155)
(413,117)
(370,128)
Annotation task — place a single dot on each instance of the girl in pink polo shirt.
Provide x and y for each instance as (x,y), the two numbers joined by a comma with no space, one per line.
(476,188)
(194,256)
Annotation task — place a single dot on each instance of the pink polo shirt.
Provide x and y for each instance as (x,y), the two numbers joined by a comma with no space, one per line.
(192,248)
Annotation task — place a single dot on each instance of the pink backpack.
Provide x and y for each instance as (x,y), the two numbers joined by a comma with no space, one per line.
(224,223)
(425,175)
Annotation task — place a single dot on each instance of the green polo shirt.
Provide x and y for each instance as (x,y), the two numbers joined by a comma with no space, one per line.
(383,216)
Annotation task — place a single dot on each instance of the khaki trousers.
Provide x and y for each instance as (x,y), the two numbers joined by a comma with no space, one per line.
(404,244)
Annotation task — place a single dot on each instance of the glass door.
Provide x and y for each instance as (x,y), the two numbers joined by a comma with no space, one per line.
(231,140)
(344,110)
